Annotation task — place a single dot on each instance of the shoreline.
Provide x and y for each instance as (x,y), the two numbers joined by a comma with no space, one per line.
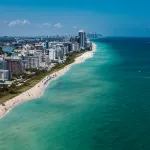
(38,90)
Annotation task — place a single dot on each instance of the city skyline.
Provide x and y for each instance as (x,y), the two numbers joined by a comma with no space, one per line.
(110,18)
(18,55)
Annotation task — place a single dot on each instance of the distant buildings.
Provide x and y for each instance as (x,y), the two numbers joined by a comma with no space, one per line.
(40,53)
(93,35)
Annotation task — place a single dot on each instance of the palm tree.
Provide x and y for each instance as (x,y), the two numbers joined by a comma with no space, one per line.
(3,87)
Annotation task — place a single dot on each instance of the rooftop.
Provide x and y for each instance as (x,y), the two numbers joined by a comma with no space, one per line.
(81,30)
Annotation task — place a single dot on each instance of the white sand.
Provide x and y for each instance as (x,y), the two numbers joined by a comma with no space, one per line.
(39,88)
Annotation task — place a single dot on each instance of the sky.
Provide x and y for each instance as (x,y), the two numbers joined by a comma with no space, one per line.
(67,17)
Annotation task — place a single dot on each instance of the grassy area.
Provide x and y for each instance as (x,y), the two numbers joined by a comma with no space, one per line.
(13,91)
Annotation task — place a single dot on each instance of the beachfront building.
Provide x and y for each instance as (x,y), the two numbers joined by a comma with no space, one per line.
(32,61)
(82,39)
(52,54)
(15,65)
(69,46)
(88,45)
(75,46)
(58,52)
(55,54)
(61,51)
(5,75)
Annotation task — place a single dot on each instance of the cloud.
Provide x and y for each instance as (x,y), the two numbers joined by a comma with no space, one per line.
(74,27)
(25,22)
(44,25)
(47,24)
(13,23)
(58,25)
(5,21)
(17,22)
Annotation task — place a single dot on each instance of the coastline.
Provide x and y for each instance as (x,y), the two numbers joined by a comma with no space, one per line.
(38,90)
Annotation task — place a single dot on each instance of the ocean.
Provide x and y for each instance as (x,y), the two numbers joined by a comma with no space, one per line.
(101,104)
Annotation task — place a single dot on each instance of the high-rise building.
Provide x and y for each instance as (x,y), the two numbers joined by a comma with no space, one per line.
(47,44)
(75,46)
(52,54)
(32,61)
(15,65)
(77,39)
(82,39)
(69,45)
(74,39)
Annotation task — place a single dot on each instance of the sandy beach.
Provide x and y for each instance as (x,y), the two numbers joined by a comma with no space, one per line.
(39,88)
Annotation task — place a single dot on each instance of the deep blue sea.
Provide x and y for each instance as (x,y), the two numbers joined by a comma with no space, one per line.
(101,104)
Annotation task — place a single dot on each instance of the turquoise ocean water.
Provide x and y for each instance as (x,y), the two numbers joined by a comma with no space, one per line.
(101,104)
